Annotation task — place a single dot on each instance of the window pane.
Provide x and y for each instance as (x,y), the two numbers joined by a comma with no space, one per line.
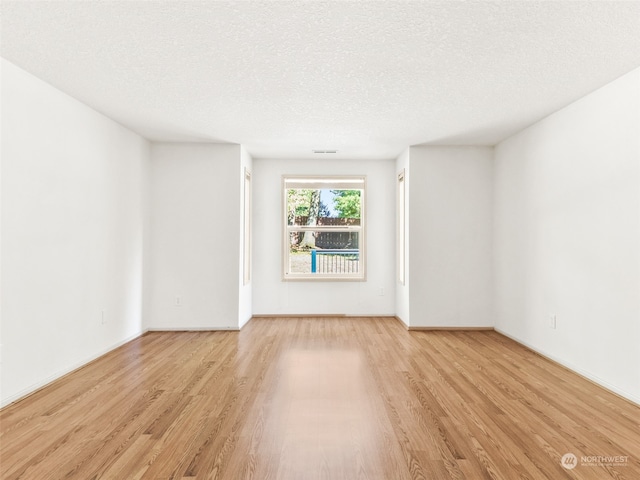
(327,207)
(339,255)
(299,259)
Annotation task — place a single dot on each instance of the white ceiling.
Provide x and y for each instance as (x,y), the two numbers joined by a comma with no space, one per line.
(364,78)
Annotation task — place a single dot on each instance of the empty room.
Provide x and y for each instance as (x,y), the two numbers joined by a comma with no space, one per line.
(334,240)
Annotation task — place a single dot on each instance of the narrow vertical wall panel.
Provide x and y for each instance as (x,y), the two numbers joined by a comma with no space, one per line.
(195,246)
(451,236)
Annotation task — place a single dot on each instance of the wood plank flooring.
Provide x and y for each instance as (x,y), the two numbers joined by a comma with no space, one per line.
(320,398)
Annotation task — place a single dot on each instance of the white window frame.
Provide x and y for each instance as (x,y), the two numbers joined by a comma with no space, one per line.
(337,182)
(246,237)
(401,228)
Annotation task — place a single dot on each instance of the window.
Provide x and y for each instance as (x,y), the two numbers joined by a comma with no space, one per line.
(324,228)
(246,237)
(401,228)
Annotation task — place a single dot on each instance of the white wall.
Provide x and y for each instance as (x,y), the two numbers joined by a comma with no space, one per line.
(244,291)
(195,236)
(567,236)
(403,163)
(272,295)
(73,211)
(451,237)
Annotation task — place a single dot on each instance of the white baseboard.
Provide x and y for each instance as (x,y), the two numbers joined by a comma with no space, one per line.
(576,369)
(193,329)
(61,373)
(448,329)
(322,315)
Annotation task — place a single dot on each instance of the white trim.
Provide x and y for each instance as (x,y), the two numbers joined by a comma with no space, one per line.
(319,182)
(400,228)
(316,316)
(246,229)
(194,329)
(324,228)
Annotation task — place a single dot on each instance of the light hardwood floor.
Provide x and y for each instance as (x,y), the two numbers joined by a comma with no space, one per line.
(319,398)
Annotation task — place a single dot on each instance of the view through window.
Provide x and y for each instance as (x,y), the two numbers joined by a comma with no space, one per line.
(324,228)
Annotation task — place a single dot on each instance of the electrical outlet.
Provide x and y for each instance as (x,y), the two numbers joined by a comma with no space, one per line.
(552,321)
(178,302)
(381,292)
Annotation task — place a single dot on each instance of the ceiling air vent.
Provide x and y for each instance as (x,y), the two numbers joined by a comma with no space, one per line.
(325,151)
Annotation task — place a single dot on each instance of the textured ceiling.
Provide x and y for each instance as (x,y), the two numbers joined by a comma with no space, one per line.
(364,78)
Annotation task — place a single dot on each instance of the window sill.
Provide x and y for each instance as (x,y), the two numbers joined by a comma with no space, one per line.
(323,278)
